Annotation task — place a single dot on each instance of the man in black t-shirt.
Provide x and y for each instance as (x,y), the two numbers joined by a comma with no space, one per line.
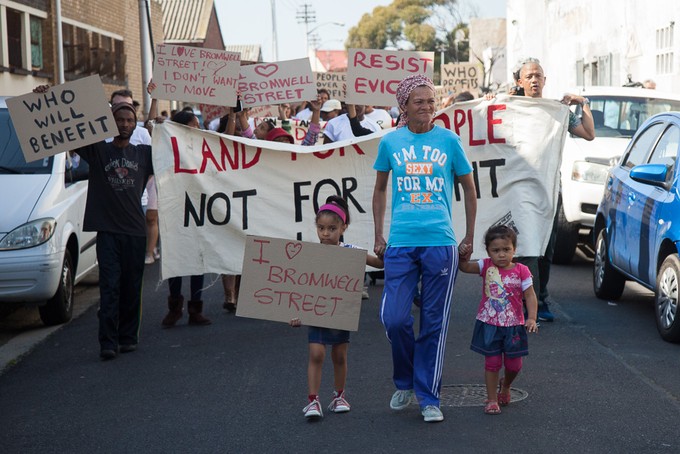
(118,174)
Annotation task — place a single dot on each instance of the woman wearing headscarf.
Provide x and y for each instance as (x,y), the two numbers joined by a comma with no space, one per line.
(424,160)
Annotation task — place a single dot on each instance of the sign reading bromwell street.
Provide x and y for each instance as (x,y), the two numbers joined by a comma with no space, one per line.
(66,117)
(317,283)
(276,83)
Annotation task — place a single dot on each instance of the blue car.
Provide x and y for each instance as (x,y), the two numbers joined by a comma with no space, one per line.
(637,226)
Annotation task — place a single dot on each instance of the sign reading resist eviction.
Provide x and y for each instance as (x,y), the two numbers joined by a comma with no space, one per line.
(276,83)
(67,116)
(317,283)
(373,75)
(197,75)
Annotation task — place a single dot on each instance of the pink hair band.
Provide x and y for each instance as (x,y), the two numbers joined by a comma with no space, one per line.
(335,209)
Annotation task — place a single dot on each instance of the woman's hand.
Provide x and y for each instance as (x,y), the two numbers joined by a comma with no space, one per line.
(295,322)
(150,87)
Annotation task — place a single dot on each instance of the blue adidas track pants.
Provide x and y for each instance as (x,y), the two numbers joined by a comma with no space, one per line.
(418,363)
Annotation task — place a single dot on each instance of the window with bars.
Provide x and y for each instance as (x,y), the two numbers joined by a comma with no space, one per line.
(665,56)
(90,52)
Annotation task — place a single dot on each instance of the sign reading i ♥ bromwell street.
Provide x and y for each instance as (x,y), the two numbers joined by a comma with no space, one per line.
(317,283)
(276,83)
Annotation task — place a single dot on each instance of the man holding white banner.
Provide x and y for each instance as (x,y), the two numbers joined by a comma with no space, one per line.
(423,159)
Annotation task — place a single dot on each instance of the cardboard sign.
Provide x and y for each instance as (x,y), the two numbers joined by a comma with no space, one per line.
(276,83)
(373,75)
(192,74)
(210,112)
(317,283)
(459,77)
(266,110)
(68,116)
(335,83)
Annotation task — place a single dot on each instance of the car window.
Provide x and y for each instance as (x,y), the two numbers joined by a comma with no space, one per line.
(12,159)
(622,116)
(643,143)
(666,150)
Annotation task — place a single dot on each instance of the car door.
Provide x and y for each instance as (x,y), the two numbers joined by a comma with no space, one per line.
(644,216)
(625,198)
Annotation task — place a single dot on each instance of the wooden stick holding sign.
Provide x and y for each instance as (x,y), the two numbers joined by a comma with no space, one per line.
(66,117)
(373,75)
(317,283)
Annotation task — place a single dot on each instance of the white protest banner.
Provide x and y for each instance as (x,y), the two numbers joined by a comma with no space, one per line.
(213,190)
(276,83)
(459,77)
(66,117)
(334,82)
(373,75)
(317,283)
(193,74)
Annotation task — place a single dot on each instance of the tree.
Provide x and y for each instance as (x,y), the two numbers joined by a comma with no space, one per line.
(400,25)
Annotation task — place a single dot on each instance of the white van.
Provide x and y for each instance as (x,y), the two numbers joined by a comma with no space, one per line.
(617,113)
(43,249)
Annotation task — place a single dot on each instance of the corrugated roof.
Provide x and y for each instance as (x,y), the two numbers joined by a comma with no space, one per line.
(249,52)
(186,21)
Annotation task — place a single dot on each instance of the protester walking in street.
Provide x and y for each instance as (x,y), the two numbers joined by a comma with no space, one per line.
(531,79)
(500,332)
(332,220)
(176,299)
(118,172)
(424,159)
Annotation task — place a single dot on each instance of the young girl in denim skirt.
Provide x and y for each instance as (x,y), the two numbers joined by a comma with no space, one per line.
(500,331)
(332,220)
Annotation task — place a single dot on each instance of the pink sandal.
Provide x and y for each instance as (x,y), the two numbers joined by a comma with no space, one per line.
(503,398)
(492,408)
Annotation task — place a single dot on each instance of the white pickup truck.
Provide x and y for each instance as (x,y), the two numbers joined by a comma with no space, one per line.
(617,114)
(43,249)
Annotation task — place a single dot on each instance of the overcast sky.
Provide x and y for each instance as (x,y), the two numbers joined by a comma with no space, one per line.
(254,26)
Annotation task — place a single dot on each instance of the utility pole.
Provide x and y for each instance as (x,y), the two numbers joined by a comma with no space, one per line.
(275,46)
(306,15)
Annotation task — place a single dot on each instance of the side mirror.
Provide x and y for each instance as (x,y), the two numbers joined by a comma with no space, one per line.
(653,174)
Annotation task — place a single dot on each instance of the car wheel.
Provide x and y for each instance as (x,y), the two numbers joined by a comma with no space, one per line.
(59,308)
(566,241)
(666,302)
(607,282)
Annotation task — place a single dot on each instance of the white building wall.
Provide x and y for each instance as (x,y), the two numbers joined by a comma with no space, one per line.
(620,36)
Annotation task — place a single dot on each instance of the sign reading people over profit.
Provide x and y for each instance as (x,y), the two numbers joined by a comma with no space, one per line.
(276,83)
(317,283)
(459,77)
(334,82)
(192,74)
(67,116)
(373,75)
(214,190)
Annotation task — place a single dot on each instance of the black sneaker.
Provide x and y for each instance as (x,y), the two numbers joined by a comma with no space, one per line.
(107,354)
(128,348)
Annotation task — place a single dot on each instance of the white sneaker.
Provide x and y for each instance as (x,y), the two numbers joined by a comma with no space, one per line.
(339,404)
(401,399)
(313,410)
(432,413)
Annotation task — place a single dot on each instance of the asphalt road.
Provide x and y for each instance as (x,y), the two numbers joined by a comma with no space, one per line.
(598,379)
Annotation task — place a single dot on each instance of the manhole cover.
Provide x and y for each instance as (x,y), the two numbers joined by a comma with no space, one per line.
(472,395)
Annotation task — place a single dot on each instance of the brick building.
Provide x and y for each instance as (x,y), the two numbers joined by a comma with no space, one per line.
(99,37)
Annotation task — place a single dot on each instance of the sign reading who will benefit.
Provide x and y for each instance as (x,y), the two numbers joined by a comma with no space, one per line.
(317,283)
(66,117)
(373,75)
(277,83)
(192,74)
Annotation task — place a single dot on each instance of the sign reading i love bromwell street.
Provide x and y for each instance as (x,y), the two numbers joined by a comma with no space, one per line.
(276,83)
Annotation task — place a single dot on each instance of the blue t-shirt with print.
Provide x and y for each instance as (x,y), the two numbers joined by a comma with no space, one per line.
(423,168)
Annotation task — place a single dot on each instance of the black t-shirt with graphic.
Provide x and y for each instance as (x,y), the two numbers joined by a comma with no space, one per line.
(117,180)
